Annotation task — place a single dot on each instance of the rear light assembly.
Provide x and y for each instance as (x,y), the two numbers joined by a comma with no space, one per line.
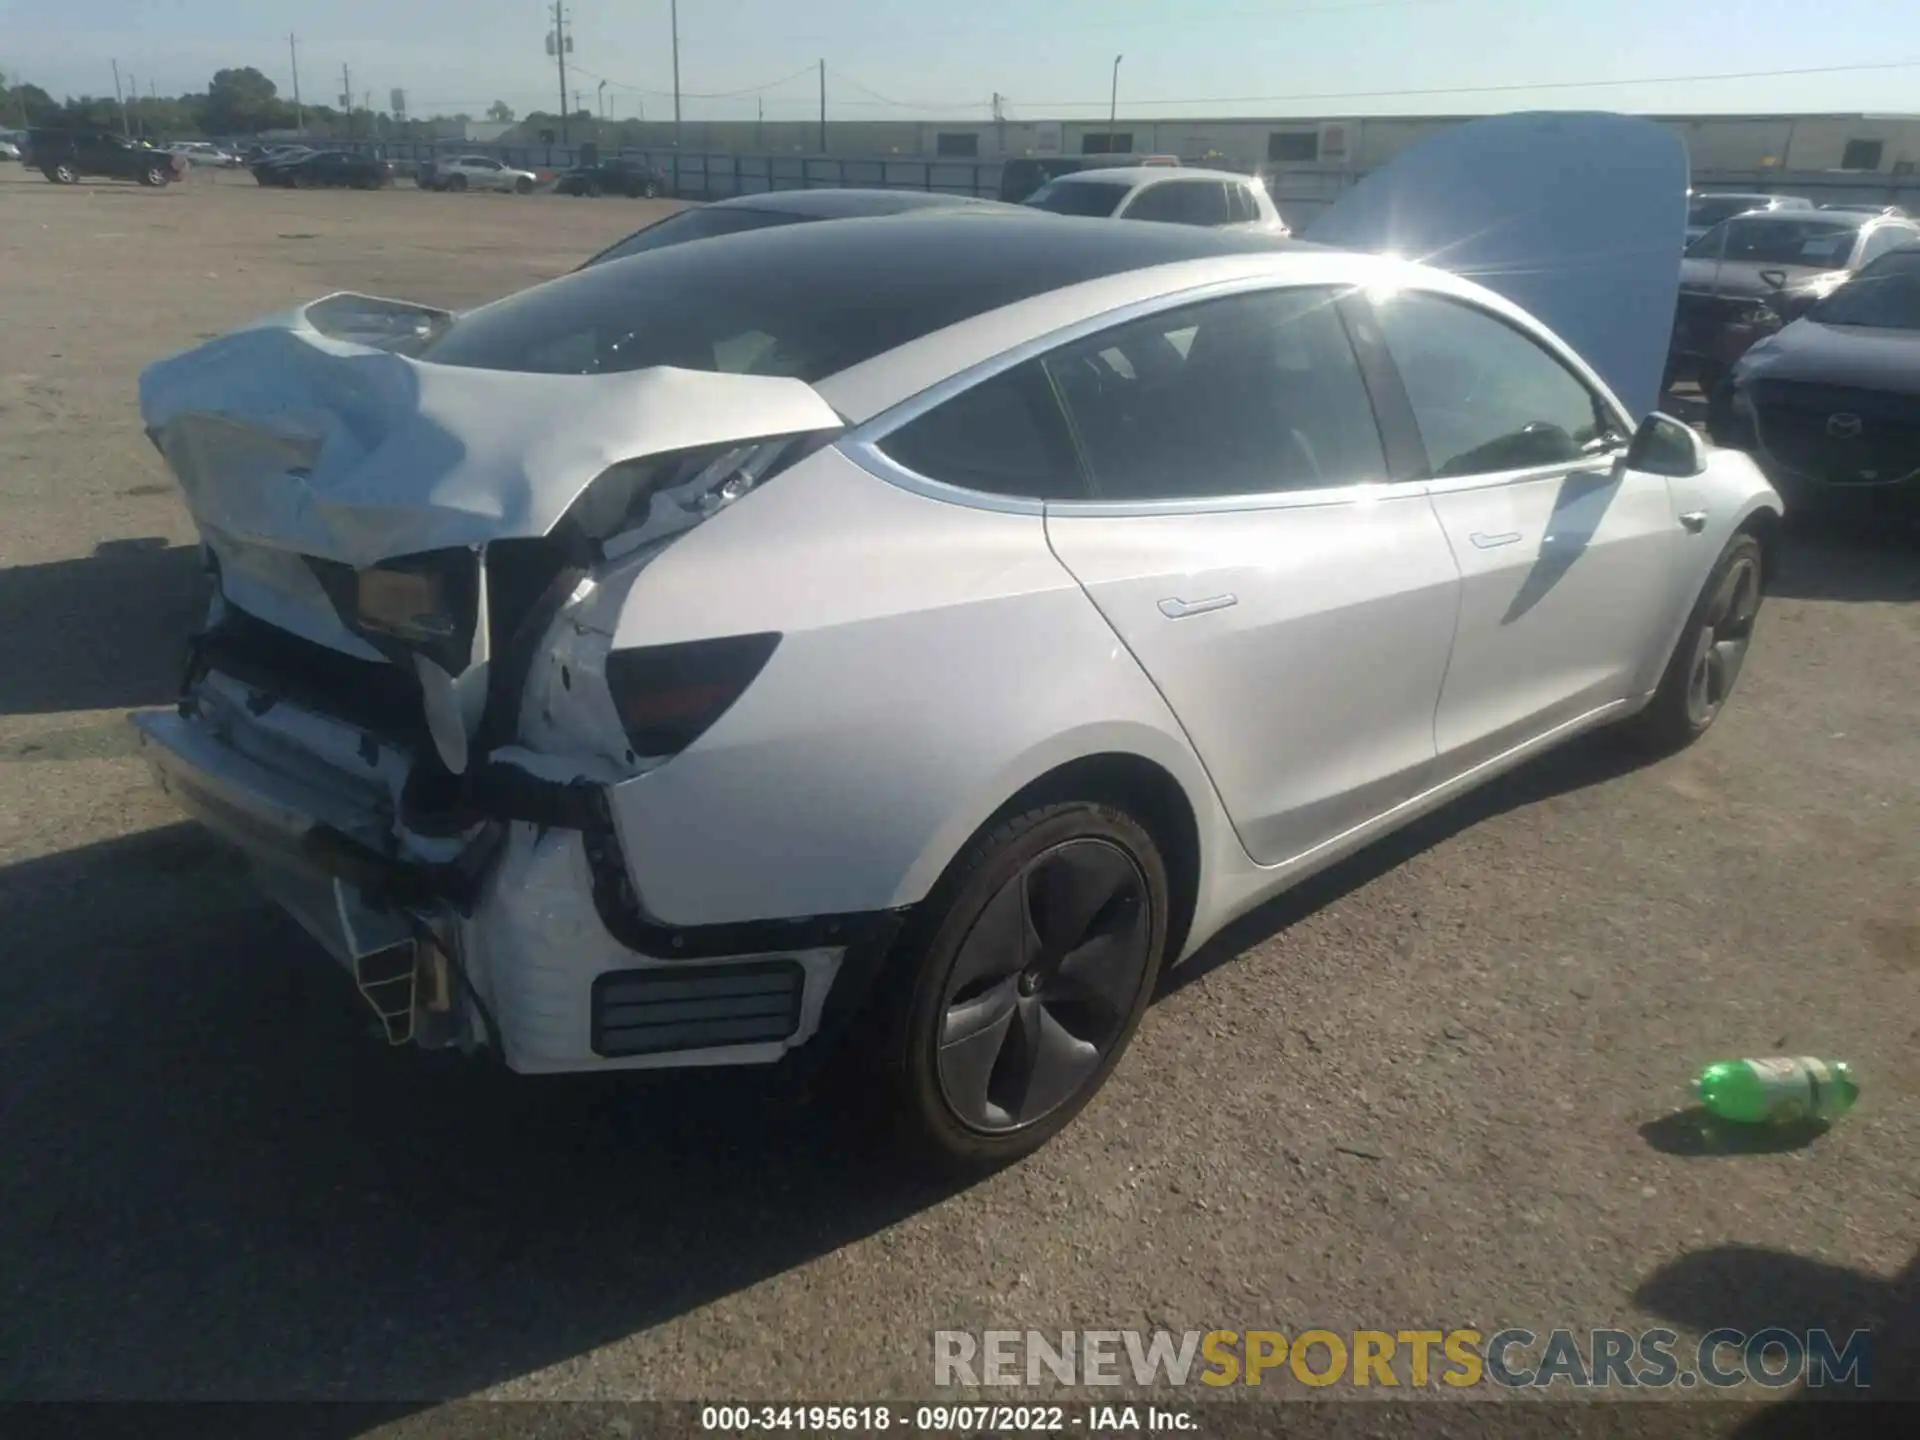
(668,696)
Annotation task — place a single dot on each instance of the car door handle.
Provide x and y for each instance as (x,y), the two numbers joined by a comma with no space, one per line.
(1494,542)
(1694,521)
(1175,609)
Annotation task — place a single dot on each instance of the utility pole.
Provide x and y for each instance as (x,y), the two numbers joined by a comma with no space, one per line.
(346,96)
(673,18)
(557,45)
(125,129)
(823,107)
(603,100)
(759,122)
(1113,100)
(999,122)
(293,54)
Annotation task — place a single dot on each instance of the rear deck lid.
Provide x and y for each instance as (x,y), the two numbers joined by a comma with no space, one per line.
(310,432)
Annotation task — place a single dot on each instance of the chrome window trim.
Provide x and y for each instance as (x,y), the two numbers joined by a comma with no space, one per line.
(861,444)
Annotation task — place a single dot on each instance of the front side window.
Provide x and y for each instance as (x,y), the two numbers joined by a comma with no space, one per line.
(1242,208)
(1181,202)
(1486,397)
(1004,436)
(1247,395)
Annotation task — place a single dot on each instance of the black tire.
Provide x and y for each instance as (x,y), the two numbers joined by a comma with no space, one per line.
(456,183)
(62,174)
(650,190)
(523,186)
(1075,1024)
(158,176)
(1728,606)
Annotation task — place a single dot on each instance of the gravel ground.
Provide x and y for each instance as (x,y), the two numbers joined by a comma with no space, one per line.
(1435,1088)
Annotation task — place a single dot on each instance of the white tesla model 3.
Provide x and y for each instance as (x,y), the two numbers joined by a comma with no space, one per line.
(910,634)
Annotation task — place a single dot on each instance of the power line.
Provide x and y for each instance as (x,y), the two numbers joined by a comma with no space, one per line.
(804,71)
(1497,89)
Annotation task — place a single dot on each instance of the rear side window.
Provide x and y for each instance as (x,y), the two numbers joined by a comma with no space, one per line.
(1246,395)
(1486,397)
(1182,202)
(1241,207)
(1004,436)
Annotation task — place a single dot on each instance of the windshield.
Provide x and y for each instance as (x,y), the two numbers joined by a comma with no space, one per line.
(1079,197)
(1712,209)
(703,222)
(1823,244)
(1884,296)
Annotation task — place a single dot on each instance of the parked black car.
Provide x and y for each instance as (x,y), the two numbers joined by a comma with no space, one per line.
(326,167)
(1830,406)
(63,156)
(613,176)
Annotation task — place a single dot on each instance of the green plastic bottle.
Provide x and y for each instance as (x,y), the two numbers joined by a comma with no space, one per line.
(1777,1091)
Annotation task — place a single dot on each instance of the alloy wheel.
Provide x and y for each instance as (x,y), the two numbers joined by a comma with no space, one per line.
(1043,986)
(1720,650)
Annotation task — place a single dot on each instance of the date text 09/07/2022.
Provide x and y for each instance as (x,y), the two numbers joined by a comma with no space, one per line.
(947,1419)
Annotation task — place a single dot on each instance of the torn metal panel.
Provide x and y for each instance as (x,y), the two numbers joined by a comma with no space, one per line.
(286,436)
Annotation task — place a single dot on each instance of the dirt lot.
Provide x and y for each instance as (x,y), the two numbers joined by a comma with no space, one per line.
(1433,1089)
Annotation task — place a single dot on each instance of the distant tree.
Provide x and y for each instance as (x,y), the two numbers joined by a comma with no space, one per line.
(244,101)
(23,104)
(501,112)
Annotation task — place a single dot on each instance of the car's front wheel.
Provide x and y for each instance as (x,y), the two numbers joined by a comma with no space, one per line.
(63,174)
(456,183)
(1712,651)
(157,175)
(1021,980)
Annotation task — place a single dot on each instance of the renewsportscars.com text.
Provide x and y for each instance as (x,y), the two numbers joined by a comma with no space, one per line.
(1511,1358)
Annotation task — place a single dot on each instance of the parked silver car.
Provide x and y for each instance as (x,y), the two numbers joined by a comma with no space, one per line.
(475,172)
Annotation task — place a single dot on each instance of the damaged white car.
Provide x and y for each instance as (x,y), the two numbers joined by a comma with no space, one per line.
(920,632)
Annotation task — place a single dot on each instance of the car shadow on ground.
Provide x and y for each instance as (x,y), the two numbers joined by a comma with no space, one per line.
(214,1184)
(1826,558)
(105,632)
(1588,760)
(1750,1289)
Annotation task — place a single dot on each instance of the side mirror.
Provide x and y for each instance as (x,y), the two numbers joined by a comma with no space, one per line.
(1664,446)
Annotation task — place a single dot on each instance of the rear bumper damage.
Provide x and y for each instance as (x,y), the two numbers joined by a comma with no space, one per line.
(513,927)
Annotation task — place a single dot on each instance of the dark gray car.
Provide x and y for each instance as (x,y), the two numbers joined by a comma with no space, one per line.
(1830,406)
(1748,276)
(785,207)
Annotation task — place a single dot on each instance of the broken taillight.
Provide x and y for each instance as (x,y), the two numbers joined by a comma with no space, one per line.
(667,696)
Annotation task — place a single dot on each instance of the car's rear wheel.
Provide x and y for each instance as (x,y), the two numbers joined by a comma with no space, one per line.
(1021,980)
(523,186)
(457,182)
(650,190)
(156,175)
(63,174)
(1712,651)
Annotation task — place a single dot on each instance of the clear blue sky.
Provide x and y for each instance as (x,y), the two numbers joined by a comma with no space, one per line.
(1049,57)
